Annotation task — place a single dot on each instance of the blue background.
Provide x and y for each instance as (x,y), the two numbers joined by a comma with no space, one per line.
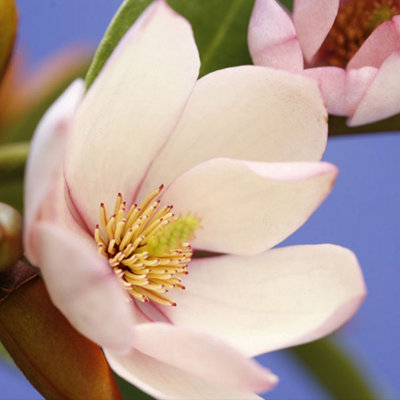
(362,213)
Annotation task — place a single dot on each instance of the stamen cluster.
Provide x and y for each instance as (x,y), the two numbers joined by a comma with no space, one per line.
(355,21)
(146,246)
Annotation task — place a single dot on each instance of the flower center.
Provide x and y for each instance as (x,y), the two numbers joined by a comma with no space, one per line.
(146,246)
(355,21)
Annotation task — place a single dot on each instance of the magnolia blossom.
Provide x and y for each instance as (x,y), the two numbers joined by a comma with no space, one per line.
(237,152)
(351,47)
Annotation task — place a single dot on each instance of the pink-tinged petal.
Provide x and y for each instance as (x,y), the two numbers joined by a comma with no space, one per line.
(313,20)
(247,112)
(131,109)
(342,90)
(248,207)
(280,298)
(84,288)
(166,382)
(272,38)
(204,356)
(45,157)
(382,98)
(382,42)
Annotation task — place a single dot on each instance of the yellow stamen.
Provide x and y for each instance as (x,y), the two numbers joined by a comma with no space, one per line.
(355,21)
(146,246)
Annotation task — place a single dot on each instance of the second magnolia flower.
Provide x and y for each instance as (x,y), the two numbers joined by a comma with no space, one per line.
(351,47)
(238,154)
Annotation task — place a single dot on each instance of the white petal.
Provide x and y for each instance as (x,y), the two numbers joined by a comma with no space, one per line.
(131,109)
(202,355)
(166,382)
(313,19)
(272,38)
(84,288)
(248,207)
(280,298)
(45,157)
(248,112)
(382,98)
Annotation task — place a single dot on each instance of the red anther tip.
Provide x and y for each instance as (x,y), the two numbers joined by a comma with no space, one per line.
(147,301)
(101,204)
(183,287)
(161,187)
(173,304)
(119,194)
(97,226)
(186,272)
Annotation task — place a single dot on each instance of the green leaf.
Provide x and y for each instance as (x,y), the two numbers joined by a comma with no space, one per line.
(22,127)
(287,3)
(11,192)
(338,126)
(122,21)
(130,392)
(12,160)
(334,369)
(220,29)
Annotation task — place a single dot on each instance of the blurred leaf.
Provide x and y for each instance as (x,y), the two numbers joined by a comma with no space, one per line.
(12,166)
(337,126)
(21,127)
(12,160)
(287,3)
(5,356)
(334,369)
(8,28)
(126,15)
(130,392)
(58,361)
(11,192)
(220,29)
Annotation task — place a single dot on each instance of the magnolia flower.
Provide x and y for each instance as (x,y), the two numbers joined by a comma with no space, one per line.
(237,152)
(351,47)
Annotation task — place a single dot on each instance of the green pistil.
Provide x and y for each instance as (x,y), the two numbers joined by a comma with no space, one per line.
(381,15)
(172,236)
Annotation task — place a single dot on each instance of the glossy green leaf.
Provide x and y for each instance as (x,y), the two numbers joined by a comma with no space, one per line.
(220,28)
(8,28)
(122,21)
